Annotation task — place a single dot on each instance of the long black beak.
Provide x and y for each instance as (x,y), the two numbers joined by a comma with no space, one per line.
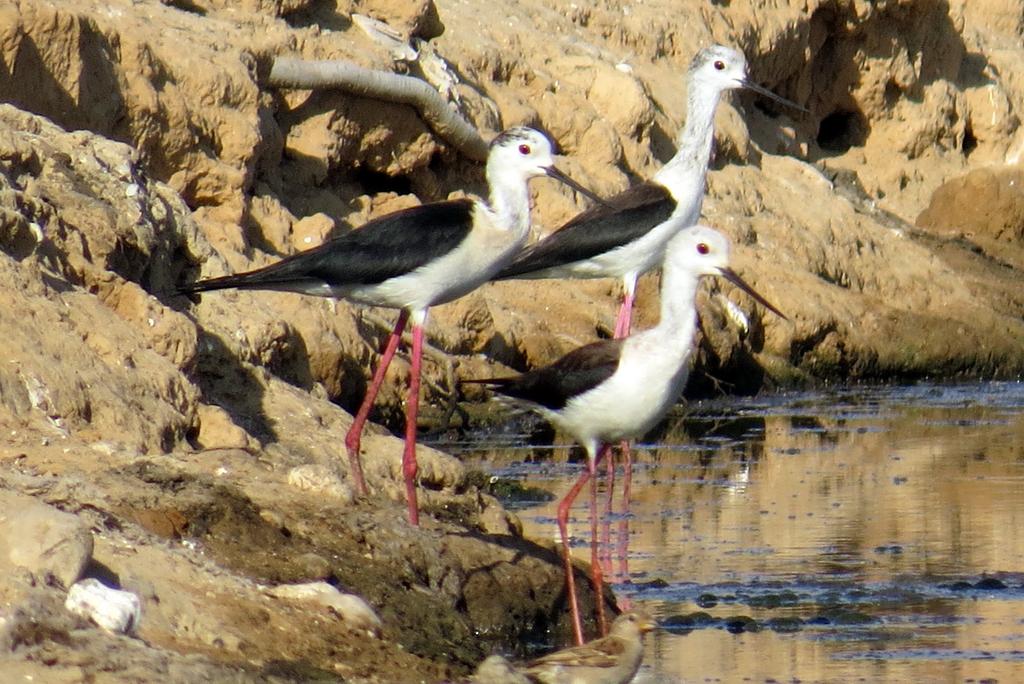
(733,278)
(750,85)
(562,178)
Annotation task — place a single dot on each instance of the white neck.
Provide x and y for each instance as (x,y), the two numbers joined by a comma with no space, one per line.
(678,301)
(666,347)
(509,201)
(684,175)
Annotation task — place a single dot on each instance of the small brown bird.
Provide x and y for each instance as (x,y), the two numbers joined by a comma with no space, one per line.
(613,659)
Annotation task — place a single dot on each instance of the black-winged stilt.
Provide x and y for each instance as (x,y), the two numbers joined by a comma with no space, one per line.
(414,259)
(612,390)
(626,236)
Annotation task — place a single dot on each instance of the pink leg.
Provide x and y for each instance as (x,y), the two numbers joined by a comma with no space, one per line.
(606,523)
(409,466)
(570,581)
(624,321)
(355,432)
(627,473)
(563,528)
(596,571)
(622,550)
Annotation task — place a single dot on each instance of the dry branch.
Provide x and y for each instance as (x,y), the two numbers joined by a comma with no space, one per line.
(289,72)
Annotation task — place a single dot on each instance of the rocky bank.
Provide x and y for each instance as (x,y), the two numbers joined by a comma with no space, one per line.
(189,451)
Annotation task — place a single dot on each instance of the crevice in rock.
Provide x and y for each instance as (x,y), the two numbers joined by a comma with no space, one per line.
(375,182)
(841,130)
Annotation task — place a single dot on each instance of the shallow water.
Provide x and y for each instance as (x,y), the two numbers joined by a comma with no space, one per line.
(861,534)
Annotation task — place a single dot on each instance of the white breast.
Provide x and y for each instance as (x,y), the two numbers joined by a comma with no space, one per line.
(485,251)
(646,384)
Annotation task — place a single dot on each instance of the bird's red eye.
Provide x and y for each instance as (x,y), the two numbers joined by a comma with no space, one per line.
(702,248)
(720,65)
(524,149)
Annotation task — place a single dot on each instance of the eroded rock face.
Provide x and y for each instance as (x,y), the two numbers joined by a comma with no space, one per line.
(902,114)
(141,148)
(984,204)
(166,81)
(87,351)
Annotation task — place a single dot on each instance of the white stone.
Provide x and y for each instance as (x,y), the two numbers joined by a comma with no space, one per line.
(112,609)
(352,609)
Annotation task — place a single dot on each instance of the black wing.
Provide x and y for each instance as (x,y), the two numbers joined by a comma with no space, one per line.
(553,386)
(629,215)
(384,248)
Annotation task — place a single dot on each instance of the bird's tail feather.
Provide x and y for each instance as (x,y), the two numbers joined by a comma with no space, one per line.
(221,283)
(253,280)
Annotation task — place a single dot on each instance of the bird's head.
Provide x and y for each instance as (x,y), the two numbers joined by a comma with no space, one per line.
(526,153)
(634,621)
(705,251)
(725,68)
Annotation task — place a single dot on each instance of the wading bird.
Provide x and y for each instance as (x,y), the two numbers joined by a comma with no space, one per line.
(619,389)
(414,259)
(626,235)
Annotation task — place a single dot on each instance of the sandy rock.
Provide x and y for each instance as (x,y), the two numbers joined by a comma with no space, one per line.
(418,18)
(315,565)
(218,431)
(311,231)
(165,331)
(992,118)
(190,57)
(68,297)
(983,209)
(29,607)
(867,303)
(985,203)
(315,140)
(321,481)
(277,8)
(92,203)
(616,96)
(42,540)
(334,131)
(270,224)
(383,467)
(494,519)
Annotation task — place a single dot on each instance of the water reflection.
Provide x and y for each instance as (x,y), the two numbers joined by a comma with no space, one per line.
(868,534)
